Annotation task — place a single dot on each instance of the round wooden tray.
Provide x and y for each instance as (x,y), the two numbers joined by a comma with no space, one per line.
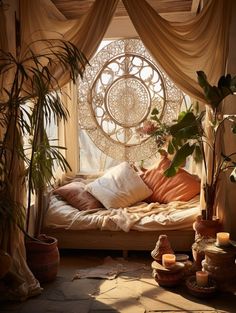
(179,266)
(201,292)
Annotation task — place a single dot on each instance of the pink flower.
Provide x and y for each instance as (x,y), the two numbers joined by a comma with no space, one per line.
(148,127)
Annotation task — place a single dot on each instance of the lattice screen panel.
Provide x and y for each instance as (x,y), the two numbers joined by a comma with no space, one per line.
(119,90)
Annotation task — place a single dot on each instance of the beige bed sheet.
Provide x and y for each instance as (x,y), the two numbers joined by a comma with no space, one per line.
(142,216)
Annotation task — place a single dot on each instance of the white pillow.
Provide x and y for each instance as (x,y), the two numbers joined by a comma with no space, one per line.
(119,187)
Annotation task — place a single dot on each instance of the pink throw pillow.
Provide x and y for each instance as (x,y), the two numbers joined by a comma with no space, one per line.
(181,187)
(75,194)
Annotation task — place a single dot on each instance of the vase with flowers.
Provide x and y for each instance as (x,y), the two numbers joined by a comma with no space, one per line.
(188,136)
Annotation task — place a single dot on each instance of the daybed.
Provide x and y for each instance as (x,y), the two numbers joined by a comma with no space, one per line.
(96,213)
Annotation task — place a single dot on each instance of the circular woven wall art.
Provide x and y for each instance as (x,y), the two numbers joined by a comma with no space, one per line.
(117,94)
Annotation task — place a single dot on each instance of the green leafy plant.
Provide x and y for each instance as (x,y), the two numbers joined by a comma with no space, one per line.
(29,101)
(187,136)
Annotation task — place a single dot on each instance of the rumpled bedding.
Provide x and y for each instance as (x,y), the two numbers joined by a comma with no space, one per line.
(142,216)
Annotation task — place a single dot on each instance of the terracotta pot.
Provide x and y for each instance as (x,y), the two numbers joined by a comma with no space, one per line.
(206,228)
(43,258)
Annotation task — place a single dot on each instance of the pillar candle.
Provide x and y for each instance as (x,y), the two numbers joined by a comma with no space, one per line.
(168,260)
(222,239)
(202,278)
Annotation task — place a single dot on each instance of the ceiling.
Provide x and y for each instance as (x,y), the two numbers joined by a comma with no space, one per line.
(164,7)
(121,26)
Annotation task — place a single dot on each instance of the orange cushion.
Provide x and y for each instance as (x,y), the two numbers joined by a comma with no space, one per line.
(182,187)
(75,194)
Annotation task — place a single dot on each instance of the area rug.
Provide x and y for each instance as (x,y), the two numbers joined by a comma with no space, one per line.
(110,269)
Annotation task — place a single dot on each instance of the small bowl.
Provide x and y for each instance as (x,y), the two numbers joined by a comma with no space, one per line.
(201,292)
(181,257)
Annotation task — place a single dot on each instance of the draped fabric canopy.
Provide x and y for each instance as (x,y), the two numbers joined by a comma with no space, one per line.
(42,20)
(180,48)
(184,48)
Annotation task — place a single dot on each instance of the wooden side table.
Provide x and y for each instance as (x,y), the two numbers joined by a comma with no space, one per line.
(219,262)
(168,277)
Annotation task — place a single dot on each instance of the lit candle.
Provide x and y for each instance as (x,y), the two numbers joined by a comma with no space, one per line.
(202,278)
(168,260)
(222,239)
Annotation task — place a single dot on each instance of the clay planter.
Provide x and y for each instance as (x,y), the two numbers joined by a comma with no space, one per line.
(206,228)
(205,231)
(43,258)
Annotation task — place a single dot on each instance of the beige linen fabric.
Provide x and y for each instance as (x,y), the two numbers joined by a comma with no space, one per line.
(43,21)
(141,216)
(22,283)
(184,48)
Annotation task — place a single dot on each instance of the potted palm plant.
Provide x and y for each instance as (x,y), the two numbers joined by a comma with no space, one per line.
(188,136)
(29,101)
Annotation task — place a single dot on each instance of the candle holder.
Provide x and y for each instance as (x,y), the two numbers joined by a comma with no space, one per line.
(199,291)
(222,239)
(168,277)
(202,278)
(168,260)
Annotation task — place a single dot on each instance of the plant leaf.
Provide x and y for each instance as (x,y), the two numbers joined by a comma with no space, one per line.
(179,159)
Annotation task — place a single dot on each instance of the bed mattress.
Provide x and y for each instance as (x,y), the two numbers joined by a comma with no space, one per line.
(142,216)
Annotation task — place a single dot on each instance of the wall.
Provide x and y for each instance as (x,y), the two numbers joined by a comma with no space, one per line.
(122,27)
(230,145)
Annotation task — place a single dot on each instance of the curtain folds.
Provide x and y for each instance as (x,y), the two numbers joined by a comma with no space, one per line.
(44,21)
(180,48)
(184,48)
(19,281)
(68,134)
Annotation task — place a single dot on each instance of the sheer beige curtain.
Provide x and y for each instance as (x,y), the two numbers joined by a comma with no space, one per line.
(21,282)
(68,133)
(185,47)
(44,21)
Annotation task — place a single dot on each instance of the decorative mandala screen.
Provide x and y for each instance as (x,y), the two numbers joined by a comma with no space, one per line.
(120,88)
